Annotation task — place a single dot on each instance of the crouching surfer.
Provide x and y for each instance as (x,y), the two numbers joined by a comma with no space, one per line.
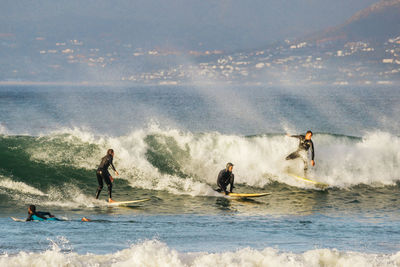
(225,178)
(103,174)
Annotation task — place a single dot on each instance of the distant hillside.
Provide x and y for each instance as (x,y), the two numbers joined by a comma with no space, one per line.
(376,23)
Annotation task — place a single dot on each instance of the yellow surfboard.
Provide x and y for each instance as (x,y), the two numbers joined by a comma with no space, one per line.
(315,183)
(243,195)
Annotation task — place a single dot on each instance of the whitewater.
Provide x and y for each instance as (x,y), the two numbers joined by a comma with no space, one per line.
(170,144)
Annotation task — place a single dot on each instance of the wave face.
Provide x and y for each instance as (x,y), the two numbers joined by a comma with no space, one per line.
(159,159)
(59,168)
(155,253)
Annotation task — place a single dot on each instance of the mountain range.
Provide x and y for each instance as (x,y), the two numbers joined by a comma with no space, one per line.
(376,24)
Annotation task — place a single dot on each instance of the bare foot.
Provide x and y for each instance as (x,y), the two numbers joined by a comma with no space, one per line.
(110,200)
(84,219)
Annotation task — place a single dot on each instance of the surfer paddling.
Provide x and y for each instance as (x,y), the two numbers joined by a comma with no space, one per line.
(34,215)
(305,144)
(103,174)
(226,177)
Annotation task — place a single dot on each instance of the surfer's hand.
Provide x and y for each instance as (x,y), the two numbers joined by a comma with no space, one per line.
(116,173)
(313,162)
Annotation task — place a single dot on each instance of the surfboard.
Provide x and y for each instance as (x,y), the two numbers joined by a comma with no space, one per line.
(18,220)
(122,203)
(84,219)
(246,195)
(319,185)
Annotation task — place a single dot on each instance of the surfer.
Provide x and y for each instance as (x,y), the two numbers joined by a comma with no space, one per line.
(103,174)
(34,215)
(305,144)
(226,177)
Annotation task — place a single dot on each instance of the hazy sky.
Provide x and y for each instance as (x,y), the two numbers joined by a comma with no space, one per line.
(211,24)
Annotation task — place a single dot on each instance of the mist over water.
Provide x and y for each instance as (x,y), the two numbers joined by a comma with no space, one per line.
(244,110)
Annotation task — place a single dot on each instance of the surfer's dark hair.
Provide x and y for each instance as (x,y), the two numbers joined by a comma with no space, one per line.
(32,208)
(110,151)
(309,132)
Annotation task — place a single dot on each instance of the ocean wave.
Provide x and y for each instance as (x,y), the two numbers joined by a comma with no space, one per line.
(11,185)
(182,162)
(155,253)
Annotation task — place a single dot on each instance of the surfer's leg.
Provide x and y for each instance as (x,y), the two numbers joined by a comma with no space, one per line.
(53,219)
(100,181)
(231,180)
(305,165)
(109,184)
(222,187)
(293,155)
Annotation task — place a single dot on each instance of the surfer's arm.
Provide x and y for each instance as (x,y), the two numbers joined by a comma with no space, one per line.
(113,167)
(296,136)
(312,150)
(312,153)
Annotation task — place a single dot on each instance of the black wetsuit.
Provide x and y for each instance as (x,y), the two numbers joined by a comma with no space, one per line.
(304,145)
(103,174)
(224,179)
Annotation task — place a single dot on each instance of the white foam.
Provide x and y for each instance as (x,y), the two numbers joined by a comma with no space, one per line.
(19,186)
(155,253)
(71,196)
(373,160)
(340,161)
(68,195)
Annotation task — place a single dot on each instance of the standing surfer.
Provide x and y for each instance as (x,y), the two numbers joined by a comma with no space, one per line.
(103,174)
(226,177)
(305,144)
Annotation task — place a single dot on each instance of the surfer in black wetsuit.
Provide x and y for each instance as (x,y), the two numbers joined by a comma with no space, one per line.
(226,177)
(34,215)
(305,144)
(103,174)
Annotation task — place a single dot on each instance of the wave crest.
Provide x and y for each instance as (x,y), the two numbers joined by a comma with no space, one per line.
(186,163)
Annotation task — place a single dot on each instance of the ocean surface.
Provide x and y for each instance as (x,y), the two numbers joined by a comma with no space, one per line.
(170,143)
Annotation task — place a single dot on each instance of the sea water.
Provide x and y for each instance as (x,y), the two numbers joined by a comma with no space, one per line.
(170,143)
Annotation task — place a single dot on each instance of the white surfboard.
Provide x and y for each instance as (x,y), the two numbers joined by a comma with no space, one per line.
(18,220)
(125,203)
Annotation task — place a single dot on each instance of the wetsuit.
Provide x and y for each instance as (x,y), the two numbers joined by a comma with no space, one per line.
(41,216)
(103,174)
(304,145)
(224,179)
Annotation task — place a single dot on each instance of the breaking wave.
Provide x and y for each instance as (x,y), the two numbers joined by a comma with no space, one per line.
(62,164)
(155,253)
